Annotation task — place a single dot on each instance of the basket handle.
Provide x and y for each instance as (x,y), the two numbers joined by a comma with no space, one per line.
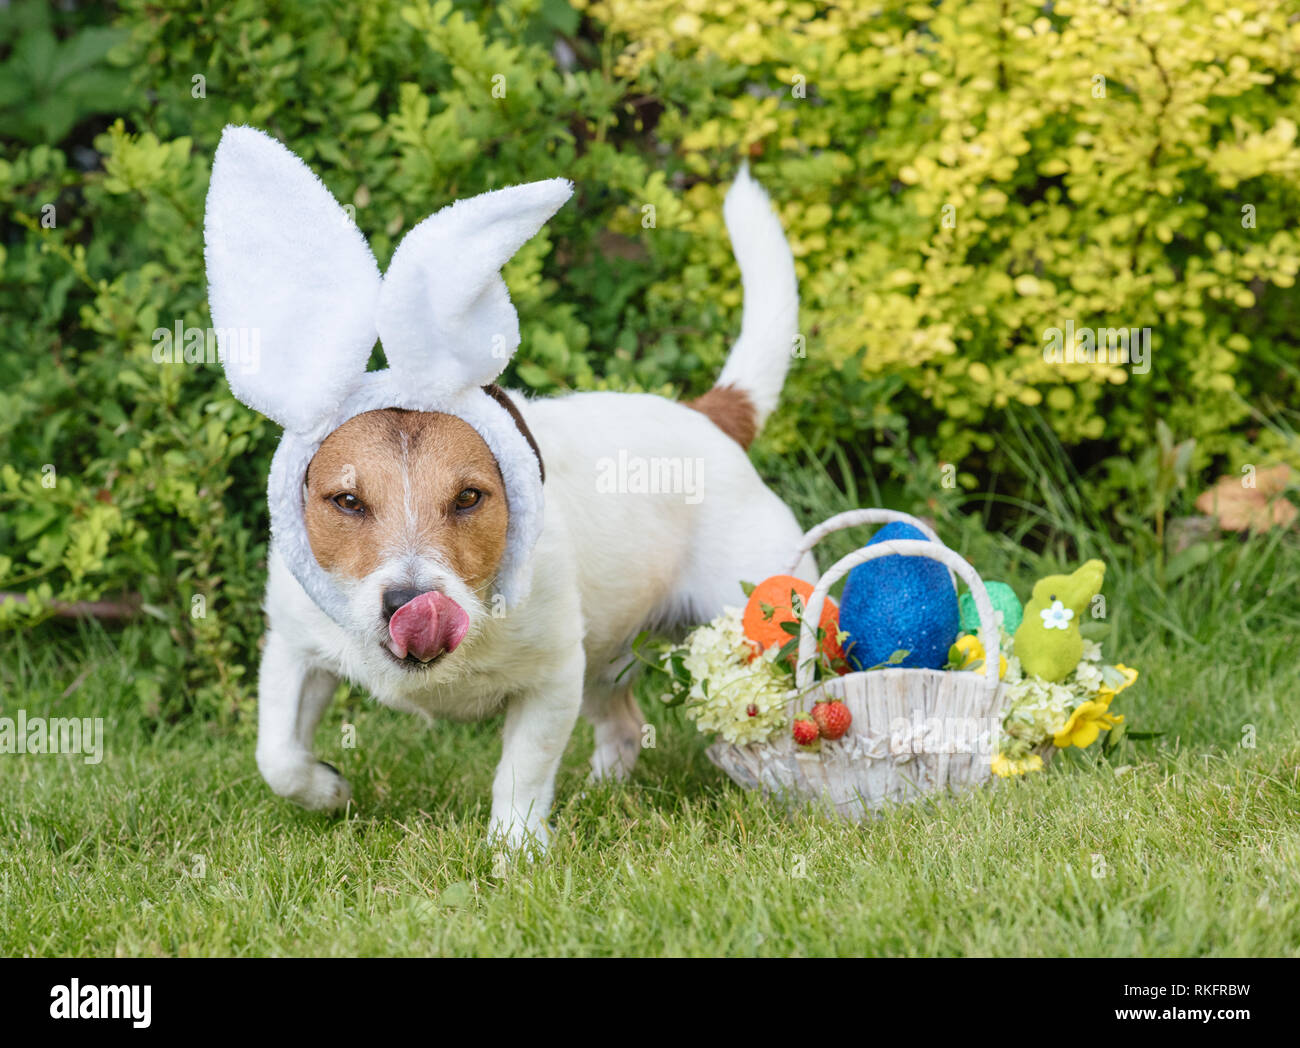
(855,518)
(988,632)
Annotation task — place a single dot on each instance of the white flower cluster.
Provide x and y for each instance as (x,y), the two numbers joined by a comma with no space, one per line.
(740,700)
(1037,709)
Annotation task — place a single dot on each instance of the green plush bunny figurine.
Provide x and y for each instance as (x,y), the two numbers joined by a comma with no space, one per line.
(1048,641)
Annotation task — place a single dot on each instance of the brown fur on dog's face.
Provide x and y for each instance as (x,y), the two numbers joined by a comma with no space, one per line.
(391,482)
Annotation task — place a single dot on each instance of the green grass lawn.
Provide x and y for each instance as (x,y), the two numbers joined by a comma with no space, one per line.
(1188,844)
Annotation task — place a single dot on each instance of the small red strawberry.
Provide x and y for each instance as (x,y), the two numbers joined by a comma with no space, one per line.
(805,729)
(833,718)
(751,710)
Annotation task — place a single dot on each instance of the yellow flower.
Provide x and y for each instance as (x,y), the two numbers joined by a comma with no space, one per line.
(972,652)
(1105,694)
(1006,766)
(1085,724)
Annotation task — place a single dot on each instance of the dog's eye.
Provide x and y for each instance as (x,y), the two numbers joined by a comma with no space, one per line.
(468,498)
(349,503)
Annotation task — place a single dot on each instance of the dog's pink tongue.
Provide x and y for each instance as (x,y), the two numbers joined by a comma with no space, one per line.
(427,626)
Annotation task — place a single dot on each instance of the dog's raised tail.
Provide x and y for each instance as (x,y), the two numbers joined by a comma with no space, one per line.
(749,387)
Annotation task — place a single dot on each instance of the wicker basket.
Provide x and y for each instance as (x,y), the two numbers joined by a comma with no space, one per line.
(914,731)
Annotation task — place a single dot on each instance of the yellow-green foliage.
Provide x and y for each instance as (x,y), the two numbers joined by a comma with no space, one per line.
(1101,164)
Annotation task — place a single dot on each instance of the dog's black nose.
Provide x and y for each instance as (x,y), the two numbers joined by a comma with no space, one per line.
(395,598)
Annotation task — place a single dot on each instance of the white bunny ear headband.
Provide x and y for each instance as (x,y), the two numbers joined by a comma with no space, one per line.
(288,267)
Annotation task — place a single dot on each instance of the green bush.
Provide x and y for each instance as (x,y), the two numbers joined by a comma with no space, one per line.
(956,179)
(1124,209)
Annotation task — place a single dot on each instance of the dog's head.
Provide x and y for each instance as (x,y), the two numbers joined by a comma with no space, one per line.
(420,481)
(408,511)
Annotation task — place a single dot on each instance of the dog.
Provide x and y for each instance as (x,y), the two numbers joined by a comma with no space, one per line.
(653,514)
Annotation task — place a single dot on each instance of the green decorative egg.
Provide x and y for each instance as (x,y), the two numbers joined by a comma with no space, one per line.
(1003,599)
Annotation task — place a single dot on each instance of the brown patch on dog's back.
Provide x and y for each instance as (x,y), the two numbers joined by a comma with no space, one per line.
(406,468)
(731,411)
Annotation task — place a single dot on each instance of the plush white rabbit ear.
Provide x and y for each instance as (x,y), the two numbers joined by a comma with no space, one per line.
(445,318)
(288,267)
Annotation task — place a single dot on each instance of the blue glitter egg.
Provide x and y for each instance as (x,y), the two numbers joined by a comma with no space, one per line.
(899,602)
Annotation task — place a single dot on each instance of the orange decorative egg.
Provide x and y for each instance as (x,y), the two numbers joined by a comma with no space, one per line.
(770,605)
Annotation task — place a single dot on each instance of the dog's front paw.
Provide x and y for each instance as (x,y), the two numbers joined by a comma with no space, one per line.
(328,789)
(518,834)
(313,784)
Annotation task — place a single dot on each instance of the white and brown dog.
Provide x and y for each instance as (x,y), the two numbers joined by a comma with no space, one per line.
(410,553)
